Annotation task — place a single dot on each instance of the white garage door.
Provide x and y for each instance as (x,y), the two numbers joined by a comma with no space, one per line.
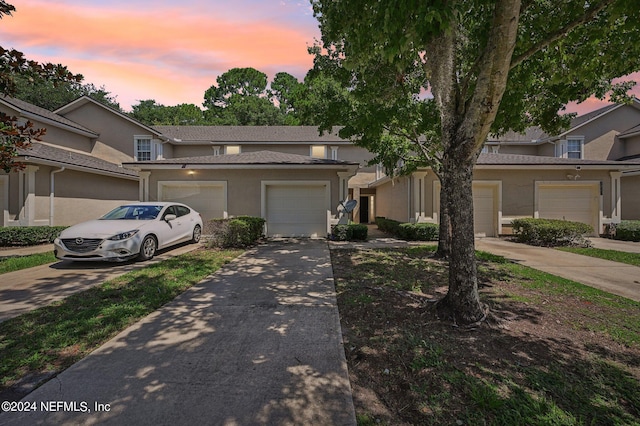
(209,199)
(578,203)
(296,210)
(484,210)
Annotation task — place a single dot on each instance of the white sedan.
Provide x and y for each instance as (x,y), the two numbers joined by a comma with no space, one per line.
(131,230)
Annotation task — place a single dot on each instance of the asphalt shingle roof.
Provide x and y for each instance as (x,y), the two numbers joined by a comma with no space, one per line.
(248,134)
(248,158)
(44,113)
(533,160)
(71,158)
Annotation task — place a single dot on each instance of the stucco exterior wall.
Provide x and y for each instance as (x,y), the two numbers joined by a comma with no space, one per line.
(630,197)
(391,200)
(519,149)
(346,152)
(115,131)
(546,150)
(632,146)
(244,186)
(518,186)
(599,135)
(79,196)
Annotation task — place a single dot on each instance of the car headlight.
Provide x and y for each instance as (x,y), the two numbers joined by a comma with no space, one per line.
(124,235)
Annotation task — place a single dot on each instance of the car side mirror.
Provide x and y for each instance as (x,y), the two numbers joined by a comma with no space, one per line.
(170,217)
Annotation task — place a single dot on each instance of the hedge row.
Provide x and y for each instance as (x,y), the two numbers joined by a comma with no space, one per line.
(550,232)
(28,235)
(351,232)
(409,231)
(241,231)
(627,230)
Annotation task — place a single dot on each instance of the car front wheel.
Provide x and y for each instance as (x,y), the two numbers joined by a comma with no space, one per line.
(148,248)
(197,233)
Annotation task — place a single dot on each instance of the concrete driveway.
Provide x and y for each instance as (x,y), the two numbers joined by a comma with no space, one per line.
(613,277)
(25,290)
(258,343)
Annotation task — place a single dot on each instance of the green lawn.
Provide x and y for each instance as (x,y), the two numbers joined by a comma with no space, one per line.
(52,338)
(614,255)
(10,264)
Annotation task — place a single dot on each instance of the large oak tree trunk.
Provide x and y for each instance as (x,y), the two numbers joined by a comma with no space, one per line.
(444,232)
(462,302)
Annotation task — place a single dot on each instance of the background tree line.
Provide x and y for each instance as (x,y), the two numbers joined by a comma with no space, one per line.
(240,97)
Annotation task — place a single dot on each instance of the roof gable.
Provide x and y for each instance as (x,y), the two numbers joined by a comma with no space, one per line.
(84,100)
(34,112)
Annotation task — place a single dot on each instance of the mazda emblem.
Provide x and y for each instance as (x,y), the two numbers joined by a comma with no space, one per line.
(79,241)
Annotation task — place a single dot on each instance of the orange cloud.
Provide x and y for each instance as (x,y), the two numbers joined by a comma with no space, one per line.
(157,50)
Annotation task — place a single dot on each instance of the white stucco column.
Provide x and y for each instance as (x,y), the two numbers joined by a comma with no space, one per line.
(27,196)
(418,179)
(144,186)
(616,198)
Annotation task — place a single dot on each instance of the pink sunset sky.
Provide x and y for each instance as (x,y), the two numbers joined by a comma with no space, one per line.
(169,51)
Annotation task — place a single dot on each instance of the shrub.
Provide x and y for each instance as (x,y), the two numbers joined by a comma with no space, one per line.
(28,235)
(351,232)
(408,231)
(388,225)
(550,232)
(628,230)
(236,232)
(419,231)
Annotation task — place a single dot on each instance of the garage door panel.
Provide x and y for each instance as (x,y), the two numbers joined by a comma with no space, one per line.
(577,203)
(484,210)
(296,210)
(208,200)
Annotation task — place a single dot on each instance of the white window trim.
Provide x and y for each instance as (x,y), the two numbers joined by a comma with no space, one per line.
(216,150)
(562,147)
(136,142)
(334,152)
(580,140)
(156,149)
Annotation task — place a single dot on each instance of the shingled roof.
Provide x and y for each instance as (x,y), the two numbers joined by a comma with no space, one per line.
(45,153)
(247,158)
(38,112)
(535,160)
(248,134)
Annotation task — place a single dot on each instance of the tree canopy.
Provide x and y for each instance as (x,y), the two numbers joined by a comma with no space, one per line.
(472,67)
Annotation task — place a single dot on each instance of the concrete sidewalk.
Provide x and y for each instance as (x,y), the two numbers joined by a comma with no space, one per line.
(613,277)
(257,343)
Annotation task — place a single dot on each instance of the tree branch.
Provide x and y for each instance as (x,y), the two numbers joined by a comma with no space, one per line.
(560,33)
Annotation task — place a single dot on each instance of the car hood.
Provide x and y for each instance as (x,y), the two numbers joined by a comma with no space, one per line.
(102,228)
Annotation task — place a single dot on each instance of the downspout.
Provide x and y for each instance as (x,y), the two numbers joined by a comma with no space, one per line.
(52,193)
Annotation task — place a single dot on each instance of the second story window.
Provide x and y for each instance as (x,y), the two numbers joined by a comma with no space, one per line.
(318,151)
(232,149)
(142,149)
(574,148)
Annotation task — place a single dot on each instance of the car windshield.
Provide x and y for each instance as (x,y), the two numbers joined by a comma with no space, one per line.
(133,212)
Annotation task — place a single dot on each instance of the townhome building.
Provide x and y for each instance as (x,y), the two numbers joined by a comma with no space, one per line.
(93,158)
